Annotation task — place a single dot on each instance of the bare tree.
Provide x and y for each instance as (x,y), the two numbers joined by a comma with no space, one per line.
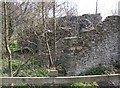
(44,18)
(39,32)
(5,28)
(54,27)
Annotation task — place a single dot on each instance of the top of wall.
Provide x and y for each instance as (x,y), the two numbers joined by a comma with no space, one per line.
(88,39)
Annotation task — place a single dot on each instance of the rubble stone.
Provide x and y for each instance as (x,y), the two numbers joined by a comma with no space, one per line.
(97,47)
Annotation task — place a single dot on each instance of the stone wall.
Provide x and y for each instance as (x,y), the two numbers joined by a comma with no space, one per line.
(92,48)
(94,18)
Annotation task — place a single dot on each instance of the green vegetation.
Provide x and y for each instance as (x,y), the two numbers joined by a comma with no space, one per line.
(72,85)
(84,85)
(100,70)
(13,45)
(25,69)
(34,73)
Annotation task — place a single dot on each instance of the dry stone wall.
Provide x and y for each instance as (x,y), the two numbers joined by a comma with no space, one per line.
(92,48)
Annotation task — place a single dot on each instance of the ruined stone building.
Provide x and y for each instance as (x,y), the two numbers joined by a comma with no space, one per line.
(93,48)
(77,51)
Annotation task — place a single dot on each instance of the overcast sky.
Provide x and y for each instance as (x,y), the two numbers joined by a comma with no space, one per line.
(105,7)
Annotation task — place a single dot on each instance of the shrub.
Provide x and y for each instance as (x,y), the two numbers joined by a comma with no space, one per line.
(34,73)
(100,70)
(13,45)
(84,85)
(79,85)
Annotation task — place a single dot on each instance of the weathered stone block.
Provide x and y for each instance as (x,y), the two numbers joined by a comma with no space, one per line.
(53,73)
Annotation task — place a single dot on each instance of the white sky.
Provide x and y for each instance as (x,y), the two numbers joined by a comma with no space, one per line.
(105,7)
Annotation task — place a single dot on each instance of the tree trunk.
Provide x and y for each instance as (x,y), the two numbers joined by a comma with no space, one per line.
(96,10)
(54,27)
(5,26)
(46,39)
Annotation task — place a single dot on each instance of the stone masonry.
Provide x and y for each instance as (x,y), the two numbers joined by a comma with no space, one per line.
(92,48)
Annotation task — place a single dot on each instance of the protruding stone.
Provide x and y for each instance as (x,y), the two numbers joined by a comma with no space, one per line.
(53,73)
